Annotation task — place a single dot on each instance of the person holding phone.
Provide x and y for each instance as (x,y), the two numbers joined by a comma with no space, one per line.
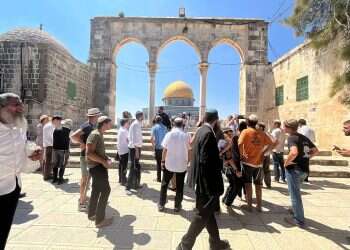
(301,149)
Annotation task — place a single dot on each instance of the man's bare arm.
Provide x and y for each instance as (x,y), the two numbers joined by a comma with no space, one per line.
(291,156)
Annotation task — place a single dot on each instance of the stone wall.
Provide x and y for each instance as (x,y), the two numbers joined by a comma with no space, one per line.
(47,73)
(323,113)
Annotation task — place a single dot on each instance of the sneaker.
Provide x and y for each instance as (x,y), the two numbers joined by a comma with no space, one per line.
(22,195)
(161,208)
(83,207)
(220,245)
(128,192)
(61,181)
(105,223)
(293,222)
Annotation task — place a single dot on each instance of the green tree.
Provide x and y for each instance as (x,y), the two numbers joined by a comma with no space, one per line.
(323,21)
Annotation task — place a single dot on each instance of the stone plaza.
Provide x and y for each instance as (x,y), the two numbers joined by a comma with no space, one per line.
(47,218)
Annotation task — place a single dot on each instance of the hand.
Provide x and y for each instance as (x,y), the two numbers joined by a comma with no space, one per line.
(37,155)
(82,146)
(108,163)
(163,165)
(239,174)
(344,152)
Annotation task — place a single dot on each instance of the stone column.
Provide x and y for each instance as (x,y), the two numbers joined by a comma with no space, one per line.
(152,70)
(203,68)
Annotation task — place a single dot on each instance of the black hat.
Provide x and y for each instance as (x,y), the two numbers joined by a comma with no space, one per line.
(212,114)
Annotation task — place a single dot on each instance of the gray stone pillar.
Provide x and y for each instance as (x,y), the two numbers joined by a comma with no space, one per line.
(203,68)
(152,70)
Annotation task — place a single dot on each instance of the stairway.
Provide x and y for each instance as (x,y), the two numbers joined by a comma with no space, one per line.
(326,164)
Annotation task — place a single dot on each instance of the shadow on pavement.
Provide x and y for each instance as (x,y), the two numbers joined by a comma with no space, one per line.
(22,215)
(122,237)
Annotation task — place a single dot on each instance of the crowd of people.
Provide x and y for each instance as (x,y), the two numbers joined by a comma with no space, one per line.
(240,150)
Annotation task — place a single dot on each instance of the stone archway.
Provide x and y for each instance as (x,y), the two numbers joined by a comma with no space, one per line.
(247,36)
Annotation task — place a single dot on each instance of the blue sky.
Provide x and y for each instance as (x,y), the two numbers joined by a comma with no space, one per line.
(69,22)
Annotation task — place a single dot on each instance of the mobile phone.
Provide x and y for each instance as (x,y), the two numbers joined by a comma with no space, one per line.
(336,147)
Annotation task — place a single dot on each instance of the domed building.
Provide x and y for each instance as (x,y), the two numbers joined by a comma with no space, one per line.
(178,99)
(37,67)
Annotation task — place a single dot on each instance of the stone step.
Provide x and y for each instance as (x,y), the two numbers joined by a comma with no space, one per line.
(315,170)
(147,155)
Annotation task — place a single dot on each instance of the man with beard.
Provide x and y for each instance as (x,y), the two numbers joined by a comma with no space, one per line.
(165,118)
(13,157)
(209,185)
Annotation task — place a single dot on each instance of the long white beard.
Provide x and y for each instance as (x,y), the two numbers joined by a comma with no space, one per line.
(18,120)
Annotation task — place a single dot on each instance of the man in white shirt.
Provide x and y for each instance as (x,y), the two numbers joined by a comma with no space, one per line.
(13,157)
(278,152)
(310,134)
(123,150)
(135,144)
(48,130)
(175,158)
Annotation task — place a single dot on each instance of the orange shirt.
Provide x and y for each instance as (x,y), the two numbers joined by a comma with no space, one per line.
(252,144)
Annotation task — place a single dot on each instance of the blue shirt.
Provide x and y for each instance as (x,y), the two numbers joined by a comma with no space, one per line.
(158,132)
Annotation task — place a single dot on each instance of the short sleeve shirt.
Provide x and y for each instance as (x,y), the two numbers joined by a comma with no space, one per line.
(87,128)
(254,142)
(304,145)
(97,139)
(158,132)
(177,144)
(279,135)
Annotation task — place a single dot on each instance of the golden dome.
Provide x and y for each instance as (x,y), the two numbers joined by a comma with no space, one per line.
(178,89)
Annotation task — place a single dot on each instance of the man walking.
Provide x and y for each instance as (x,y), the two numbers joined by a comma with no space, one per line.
(209,185)
(301,149)
(48,130)
(278,152)
(135,144)
(80,136)
(123,150)
(165,118)
(310,134)
(13,157)
(60,155)
(253,144)
(158,133)
(175,158)
(98,163)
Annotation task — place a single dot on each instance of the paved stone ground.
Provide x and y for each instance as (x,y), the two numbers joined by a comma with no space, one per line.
(48,219)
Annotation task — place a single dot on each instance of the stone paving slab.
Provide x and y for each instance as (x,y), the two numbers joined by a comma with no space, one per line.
(48,218)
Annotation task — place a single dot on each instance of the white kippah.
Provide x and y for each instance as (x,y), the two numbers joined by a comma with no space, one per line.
(253,118)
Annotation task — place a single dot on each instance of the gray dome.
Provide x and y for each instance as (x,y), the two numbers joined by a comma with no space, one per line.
(32,35)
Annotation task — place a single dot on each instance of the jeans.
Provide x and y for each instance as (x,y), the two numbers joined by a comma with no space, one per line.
(158,155)
(278,164)
(134,177)
(294,179)
(204,218)
(99,193)
(180,181)
(59,161)
(123,167)
(8,207)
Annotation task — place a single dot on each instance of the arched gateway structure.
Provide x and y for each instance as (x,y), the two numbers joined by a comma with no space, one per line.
(247,36)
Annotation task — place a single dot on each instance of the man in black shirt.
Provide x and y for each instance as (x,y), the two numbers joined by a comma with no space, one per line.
(165,118)
(301,149)
(60,152)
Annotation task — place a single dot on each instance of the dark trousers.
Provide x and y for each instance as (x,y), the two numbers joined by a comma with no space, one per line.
(123,168)
(158,155)
(8,207)
(234,189)
(47,169)
(180,181)
(307,168)
(134,177)
(204,218)
(99,193)
(267,172)
(278,164)
(59,161)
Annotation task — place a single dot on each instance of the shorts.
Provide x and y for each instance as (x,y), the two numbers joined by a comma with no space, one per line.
(251,174)
(83,166)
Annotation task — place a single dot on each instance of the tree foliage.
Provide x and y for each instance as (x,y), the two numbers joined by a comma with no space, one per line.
(323,21)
